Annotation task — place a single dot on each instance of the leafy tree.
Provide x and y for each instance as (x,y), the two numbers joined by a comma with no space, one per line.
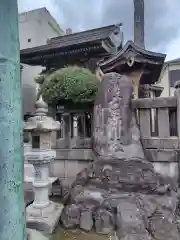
(72,84)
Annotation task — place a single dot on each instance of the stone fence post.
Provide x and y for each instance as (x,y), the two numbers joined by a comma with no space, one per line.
(177,94)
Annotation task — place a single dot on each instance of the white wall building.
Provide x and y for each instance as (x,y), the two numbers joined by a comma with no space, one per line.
(169,75)
(35,28)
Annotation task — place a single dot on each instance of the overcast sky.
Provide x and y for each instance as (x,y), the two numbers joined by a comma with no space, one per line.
(162,18)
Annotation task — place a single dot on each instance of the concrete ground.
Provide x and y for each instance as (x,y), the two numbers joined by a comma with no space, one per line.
(35,235)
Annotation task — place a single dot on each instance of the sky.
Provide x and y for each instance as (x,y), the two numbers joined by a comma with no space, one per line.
(162,18)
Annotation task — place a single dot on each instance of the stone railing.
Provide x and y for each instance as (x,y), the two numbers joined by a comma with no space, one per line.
(75,132)
(73,145)
(158,120)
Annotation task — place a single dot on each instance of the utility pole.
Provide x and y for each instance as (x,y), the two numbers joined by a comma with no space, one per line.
(139,23)
(12,210)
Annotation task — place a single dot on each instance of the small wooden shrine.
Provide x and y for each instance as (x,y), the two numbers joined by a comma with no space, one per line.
(143,66)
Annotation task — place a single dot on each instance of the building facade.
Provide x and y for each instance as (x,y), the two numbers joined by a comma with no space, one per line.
(169,75)
(36,27)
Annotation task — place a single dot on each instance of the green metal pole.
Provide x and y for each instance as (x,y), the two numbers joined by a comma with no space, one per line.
(12,217)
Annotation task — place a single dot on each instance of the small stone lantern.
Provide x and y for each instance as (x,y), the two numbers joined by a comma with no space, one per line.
(42,214)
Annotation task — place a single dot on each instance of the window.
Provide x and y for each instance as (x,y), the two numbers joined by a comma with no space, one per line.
(29,39)
(36,142)
(174,76)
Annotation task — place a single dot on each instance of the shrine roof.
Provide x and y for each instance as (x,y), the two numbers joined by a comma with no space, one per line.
(132,56)
(67,42)
(130,50)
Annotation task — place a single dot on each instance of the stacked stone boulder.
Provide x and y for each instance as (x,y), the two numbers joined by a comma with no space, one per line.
(121,190)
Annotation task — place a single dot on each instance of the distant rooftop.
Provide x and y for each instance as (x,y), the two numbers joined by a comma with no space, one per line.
(35,13)
(38,14)
(34,10)
(176,60)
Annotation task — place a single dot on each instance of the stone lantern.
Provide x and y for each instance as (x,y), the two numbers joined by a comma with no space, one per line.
(42,214)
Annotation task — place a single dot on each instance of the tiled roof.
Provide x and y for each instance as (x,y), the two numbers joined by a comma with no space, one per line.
(75,39)
(150,57)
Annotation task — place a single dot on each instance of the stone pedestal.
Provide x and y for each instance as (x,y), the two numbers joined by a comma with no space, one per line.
(42,214)
(44,219)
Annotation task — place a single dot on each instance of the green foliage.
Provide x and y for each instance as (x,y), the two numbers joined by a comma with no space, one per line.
(40,79)
(72,84)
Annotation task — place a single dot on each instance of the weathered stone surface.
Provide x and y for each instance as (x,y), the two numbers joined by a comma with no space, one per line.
(104,221)
(112,201)
(122,186)
(115,129)
(89,197)
(71,216)
(162,228)
(133,236)
(178,214)
(142,221)
(86,218)
(130,221)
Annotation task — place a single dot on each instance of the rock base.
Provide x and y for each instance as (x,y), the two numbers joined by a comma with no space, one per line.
(121,191)
(44,220)
(129,198)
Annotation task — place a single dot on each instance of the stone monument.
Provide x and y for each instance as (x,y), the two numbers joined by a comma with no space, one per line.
(42,214)
(121,190)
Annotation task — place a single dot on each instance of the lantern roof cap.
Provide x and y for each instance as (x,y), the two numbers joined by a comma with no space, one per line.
(41,122)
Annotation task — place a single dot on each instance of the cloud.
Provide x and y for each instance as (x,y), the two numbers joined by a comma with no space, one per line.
(172,49)
(27,5)
(161,17)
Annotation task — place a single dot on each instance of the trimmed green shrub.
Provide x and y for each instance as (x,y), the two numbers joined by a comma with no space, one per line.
(72,84)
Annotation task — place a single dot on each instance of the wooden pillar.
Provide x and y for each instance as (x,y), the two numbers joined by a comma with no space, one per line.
(81,125)
(135,76)
(67,128)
